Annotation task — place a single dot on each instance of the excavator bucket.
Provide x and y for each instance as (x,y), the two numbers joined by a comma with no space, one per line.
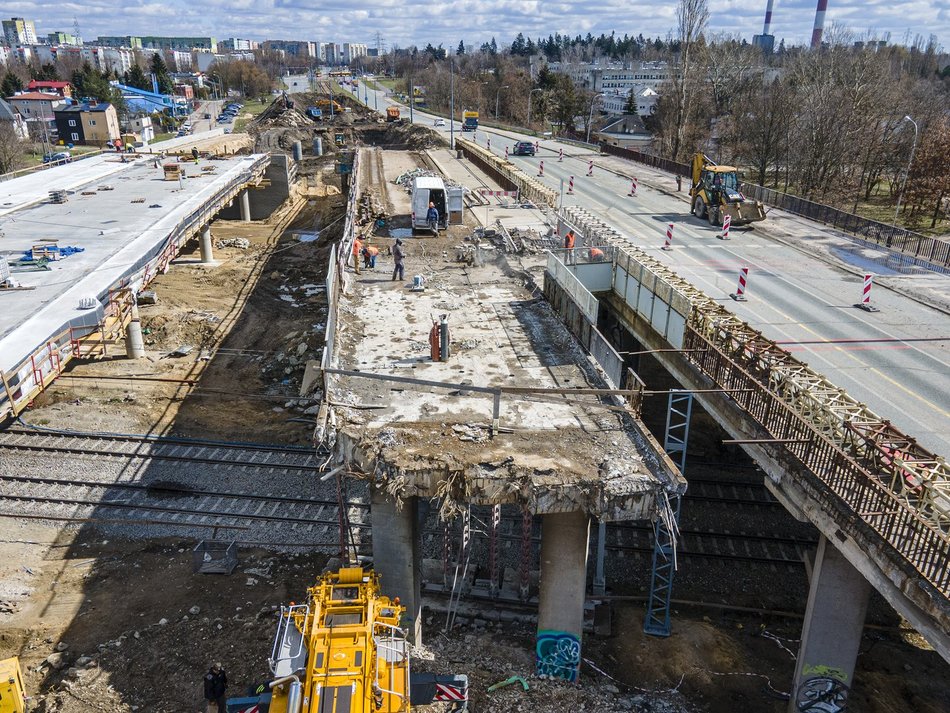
(744,213)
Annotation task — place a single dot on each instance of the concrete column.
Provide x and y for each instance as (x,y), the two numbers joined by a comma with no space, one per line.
(397,557)
(207,250)
(834,622)
(134,344)
(564,538)
(245,206)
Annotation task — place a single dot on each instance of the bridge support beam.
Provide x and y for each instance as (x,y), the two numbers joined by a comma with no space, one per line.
(207,250)
(134,343)
(397,557)
(834,622)
(246,206)
(564,538)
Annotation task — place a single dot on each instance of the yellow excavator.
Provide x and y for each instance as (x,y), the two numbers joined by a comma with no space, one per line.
(344,651)
(12,693)
(715,193)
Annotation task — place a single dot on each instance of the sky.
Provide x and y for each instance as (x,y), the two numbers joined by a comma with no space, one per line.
(407,22)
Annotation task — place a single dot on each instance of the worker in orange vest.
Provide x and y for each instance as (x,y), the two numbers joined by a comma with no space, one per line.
(357,249)
(369,256)
(596,255)
(569,246)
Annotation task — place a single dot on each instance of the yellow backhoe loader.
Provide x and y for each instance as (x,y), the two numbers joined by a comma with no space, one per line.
(715,193)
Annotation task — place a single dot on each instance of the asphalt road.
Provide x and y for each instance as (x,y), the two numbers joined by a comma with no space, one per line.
(897,360)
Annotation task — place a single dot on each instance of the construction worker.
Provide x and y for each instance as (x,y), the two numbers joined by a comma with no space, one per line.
(194,153)
(432,218)
(357,249)
(216,683)
(398,255)
(369,256)
(596,255)
(569,241)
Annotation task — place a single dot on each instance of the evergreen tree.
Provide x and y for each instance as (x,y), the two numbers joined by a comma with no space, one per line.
(461,48)
(135,77)
(11,84)
(631,106)
(160,70)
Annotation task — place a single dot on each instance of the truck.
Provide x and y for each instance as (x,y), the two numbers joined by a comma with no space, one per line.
(392,113)
(469,120)
(715,193)
(315,113)
(343,650)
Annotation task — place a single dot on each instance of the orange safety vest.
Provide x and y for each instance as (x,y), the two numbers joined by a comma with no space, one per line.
(357,246)
(596,254)
(371,250)
(569,240)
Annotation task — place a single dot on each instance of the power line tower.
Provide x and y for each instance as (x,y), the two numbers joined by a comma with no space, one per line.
(76,33)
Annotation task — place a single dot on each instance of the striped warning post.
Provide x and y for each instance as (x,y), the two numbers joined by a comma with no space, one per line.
(633,186)
(541,168)
(726,222)
(739,294)
(570,186)
(865,302)
(506,153)
(669,237)
(537,146)
(444,692)
(590,167)
(560,156)
(489,143)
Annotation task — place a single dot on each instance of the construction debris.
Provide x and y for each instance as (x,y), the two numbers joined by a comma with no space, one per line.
(239,243)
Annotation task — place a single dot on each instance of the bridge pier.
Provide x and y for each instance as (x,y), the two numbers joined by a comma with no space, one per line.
(134,342)
(246,205)
(207,249)
(834,623)
(564,538)
(396,554)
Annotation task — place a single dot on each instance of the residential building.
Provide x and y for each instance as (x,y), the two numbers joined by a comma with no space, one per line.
(94,123)
(22,53)
(627,132)
(63,38)
(179,61)
(203,61)
(11,115)
(292,48)
(117,59)
(63,89)
(180,43)
(4,54)
(352,51)
(233,44)
(17,31)
(36,105)
(615,102)
(142,127)
(129,41)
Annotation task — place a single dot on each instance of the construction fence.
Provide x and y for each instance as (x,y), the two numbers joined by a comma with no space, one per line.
(934,251)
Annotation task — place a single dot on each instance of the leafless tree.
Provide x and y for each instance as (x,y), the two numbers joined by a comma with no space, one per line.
(692,17)
(11,148)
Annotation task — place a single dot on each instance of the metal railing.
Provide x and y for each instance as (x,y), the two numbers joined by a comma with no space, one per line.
(933,251)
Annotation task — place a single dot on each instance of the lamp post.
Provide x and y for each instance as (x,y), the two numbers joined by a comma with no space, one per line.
(497,93)
(590,116)
(529,105)
(913,147)
(452,102)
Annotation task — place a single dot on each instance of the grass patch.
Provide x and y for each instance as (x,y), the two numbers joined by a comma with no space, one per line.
(252,107)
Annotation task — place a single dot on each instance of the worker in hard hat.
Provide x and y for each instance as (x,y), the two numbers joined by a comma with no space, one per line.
(216,683)
(432,218)
(357,250)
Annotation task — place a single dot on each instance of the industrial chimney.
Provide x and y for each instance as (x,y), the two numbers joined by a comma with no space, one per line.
(768,17)
(765,41)
(819,24)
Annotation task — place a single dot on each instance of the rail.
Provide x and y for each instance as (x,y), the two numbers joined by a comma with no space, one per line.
(933,251)
(52,164)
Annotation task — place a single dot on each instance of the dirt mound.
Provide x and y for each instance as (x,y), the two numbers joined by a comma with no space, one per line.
(416,137)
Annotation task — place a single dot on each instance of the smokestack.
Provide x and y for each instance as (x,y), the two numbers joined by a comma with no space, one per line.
(819,24)
(768,17)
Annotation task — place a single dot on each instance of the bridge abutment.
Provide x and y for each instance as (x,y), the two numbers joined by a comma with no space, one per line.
(834,622)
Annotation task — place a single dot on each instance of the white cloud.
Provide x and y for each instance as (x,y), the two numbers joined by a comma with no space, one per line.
(474,21)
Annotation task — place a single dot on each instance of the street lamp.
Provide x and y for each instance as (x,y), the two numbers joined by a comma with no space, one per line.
(529,105)
(913,147)
(452,102)
(497,93)
(590,117)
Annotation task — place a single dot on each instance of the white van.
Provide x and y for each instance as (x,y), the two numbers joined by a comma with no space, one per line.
(426,189)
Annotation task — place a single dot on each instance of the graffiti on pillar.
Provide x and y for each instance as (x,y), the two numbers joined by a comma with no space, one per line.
(558,654)
(823,690)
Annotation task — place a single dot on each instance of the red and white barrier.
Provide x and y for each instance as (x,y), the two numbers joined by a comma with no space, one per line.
(726,222)
(570,186)
(865,302)
(489,143)
(537,146)
(739,294)
(560,156)
(590,168)
(633,186)
(669,237)
(506,153)
(541,168)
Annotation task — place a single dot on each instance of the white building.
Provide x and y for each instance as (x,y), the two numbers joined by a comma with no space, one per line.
(142,126)
(118,60)
(616,82)
(352,51)
(180,60)
(615,101)
(17,31)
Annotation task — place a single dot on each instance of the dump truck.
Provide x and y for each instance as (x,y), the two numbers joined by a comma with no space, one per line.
(12,693)
(715,193)
(469,120)
(392,113)
(344,651)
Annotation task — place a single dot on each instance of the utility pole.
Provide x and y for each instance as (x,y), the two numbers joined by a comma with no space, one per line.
(913,148)
(411,95)
(452,102)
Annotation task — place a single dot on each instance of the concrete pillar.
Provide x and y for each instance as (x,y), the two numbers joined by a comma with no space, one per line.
(207,250)
(134,344)
(397,557)
(245,206)
(564,538)
(834,622)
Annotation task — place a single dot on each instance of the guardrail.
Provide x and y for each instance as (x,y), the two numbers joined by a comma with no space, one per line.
(52,164)
(933,251)
(531,190)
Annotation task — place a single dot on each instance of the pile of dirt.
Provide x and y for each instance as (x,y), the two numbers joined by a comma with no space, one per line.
(415,137)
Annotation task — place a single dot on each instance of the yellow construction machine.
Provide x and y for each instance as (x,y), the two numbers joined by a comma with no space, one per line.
(12,694)
(715,193)
(343,651)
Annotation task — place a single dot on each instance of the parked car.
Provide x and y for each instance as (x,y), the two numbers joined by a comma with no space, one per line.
(63,156)
(439,122)
(207,116)
(523,148)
